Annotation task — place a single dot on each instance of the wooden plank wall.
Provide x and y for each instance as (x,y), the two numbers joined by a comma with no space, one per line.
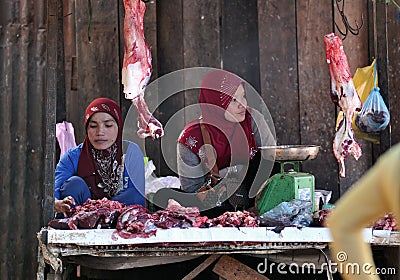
(287,68)
(93,62)
(276,45)
(317,112)
(388,60)
(357,51)
(394,73)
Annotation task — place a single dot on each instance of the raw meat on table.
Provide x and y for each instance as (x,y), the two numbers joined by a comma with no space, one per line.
(176,215)
(233,219)
(344,95)
(136,68)
(135,221)
(100,213)
(387,222)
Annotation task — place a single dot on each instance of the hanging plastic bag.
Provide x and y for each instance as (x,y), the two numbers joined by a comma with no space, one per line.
(65,136)
(374,115)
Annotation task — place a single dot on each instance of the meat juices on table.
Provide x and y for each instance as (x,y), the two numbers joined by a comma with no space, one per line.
(344,95)
(137,69)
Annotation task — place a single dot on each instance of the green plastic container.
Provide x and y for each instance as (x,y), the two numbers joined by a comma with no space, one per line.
(285,187)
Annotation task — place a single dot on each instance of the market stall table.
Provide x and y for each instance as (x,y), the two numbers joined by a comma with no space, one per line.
(105,249)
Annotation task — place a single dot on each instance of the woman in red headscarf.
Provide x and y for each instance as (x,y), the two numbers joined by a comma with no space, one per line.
(235,131)
(97,168)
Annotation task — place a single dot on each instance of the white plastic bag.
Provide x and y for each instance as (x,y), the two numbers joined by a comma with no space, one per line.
(153,183)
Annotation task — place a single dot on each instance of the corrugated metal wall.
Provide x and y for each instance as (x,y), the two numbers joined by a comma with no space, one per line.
(47,66)
(23,119)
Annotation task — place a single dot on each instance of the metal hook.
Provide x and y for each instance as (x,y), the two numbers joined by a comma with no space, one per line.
(347,26)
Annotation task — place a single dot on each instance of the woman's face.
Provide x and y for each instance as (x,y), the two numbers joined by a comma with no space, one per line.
(102,130)
(236,110)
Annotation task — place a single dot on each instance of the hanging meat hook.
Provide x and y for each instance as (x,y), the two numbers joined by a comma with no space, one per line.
(347,26)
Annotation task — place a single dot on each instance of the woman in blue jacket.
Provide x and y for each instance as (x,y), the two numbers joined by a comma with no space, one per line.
(97,168)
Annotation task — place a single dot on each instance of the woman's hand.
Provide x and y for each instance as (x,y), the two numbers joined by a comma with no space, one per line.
(64,205)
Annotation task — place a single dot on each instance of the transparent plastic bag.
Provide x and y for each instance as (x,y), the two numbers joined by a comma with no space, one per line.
(296,213)
(374,115)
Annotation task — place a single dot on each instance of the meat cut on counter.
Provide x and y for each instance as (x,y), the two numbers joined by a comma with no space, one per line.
(94,213)
(137,68)
(345,96)
(137,221)
(233,219)
(387,222)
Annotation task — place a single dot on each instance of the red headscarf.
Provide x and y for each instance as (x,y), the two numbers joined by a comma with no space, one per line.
(217,91)
(88,167)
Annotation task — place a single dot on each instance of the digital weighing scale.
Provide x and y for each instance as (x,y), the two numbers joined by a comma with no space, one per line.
(290,183)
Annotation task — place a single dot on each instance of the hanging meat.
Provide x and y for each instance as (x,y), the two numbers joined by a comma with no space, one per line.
(344,95)
(137,69)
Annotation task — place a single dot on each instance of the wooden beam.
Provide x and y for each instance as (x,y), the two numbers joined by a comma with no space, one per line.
(278,70)
(394,73)
(50,103)
(229,268)
(358,56)
(239,41)
(382,64)
(170,58)
(210,260)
